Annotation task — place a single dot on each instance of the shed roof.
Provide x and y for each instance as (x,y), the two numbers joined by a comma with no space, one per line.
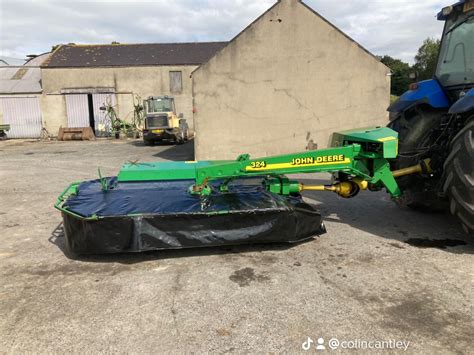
(10,61)
(24,79)
(141,54)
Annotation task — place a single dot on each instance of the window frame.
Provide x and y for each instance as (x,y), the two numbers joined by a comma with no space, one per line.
(173,88)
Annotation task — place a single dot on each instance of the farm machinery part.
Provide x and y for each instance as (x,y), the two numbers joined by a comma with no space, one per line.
(4,128)
(167,205)
(435,120)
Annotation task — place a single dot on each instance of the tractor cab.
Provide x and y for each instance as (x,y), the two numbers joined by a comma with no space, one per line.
(452,87)
(161,121)
(455,69)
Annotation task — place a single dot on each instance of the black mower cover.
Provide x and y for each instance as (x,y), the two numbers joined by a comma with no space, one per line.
(140,216)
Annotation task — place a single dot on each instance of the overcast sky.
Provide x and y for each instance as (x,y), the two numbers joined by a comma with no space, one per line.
(394,27)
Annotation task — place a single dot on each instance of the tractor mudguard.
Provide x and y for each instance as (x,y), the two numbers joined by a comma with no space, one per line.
(428,92)
(465,104)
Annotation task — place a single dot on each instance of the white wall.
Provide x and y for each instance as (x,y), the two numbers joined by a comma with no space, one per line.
(284,85)
(144,81)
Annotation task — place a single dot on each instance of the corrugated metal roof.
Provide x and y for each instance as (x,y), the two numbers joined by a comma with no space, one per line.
(23,79)
(108,55)
(11,61)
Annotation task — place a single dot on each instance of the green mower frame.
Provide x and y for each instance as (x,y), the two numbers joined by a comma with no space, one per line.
(360,158)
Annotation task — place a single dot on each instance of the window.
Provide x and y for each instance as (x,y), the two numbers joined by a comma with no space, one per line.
(176,82)
(160,105)
(456,65)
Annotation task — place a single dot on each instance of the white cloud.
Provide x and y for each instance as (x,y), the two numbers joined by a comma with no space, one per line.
(394,27)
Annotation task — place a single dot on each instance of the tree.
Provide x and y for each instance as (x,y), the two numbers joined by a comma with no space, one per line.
(426,58)
(400,74)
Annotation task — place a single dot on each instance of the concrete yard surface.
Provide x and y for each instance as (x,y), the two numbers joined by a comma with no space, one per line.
(381,274)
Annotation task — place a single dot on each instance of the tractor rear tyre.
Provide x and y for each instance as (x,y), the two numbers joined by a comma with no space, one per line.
(414,133)
(459,171)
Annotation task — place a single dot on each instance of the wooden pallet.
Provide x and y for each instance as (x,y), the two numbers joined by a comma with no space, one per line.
(76,134)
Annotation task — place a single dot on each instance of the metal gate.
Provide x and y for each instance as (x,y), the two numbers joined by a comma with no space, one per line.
(24,116)
(77,108)
(103,125)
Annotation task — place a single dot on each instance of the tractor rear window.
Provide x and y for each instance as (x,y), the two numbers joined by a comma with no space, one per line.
(456,61)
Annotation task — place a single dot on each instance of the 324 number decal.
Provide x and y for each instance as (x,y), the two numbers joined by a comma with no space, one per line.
(258,164)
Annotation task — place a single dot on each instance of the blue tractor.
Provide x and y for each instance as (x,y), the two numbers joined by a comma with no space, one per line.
(435,120)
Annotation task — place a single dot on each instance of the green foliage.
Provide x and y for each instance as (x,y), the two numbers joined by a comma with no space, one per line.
(393,98)
(424,67)
(400,74)
(426,58)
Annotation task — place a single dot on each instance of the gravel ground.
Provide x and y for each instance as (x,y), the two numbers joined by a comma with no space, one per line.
(381,273)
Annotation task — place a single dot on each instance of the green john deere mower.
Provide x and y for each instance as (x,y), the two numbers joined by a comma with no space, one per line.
(193,204)
(167,205)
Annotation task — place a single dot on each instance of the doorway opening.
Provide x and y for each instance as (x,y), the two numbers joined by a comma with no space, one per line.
(84,110)
(90,106)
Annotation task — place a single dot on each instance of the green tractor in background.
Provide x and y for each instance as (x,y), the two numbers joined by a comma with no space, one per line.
(162,123)
(435,120)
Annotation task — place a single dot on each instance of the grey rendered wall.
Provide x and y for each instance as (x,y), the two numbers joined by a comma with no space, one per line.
(284,85)
(144,81)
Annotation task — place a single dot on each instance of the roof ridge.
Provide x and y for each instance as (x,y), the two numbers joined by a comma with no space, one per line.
(137,44)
